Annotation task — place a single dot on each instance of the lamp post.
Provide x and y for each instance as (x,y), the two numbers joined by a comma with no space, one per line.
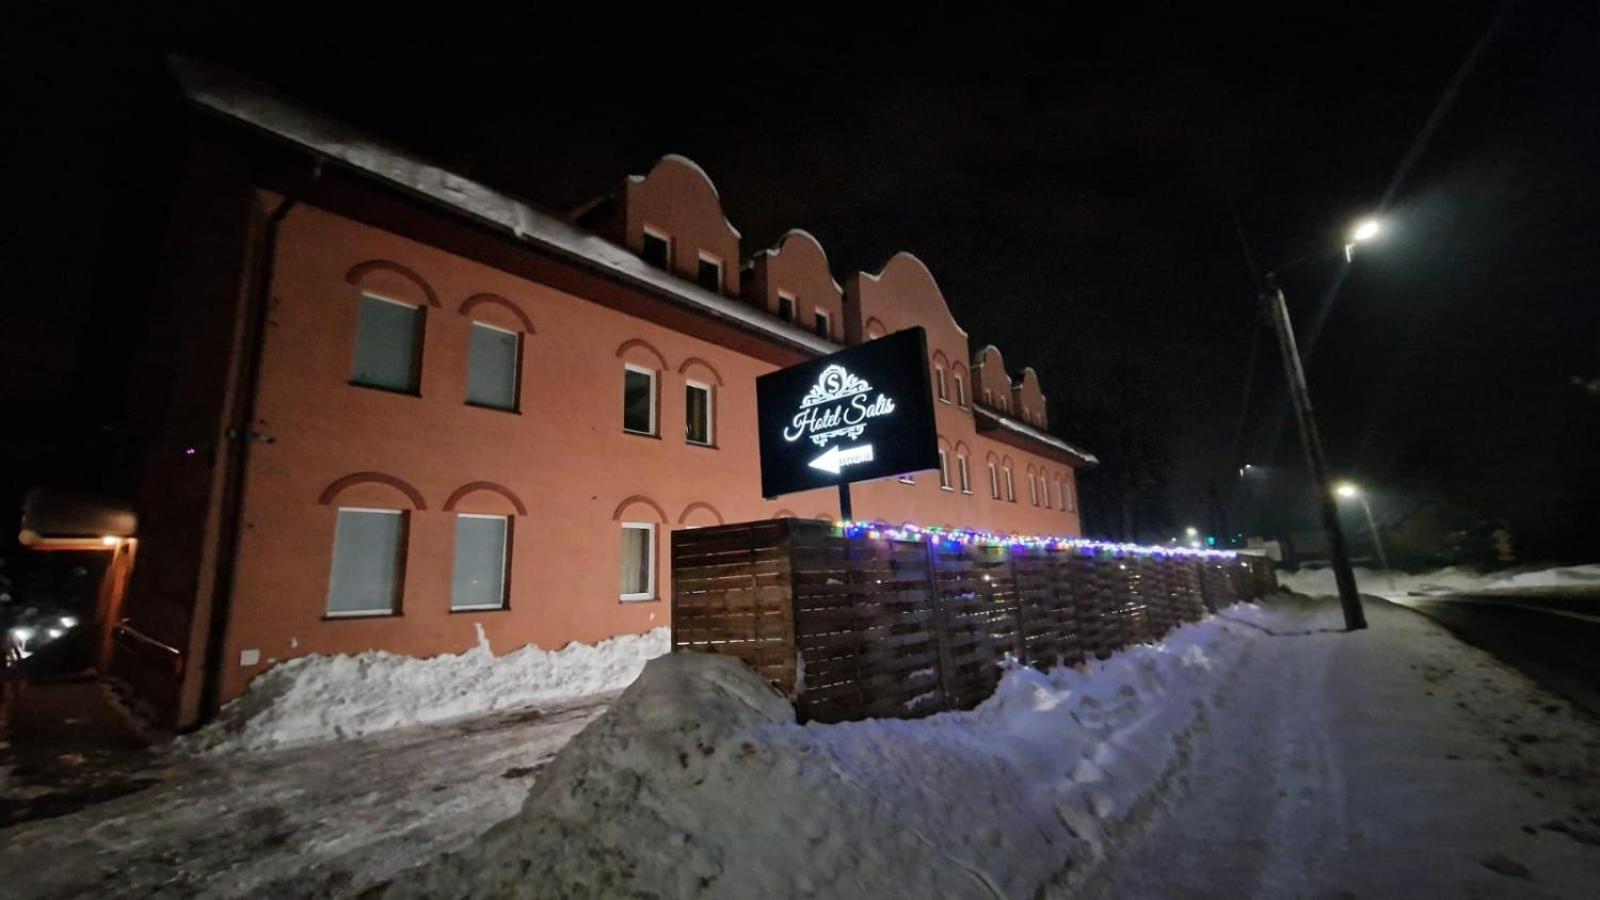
(1349,491)
(1294,371)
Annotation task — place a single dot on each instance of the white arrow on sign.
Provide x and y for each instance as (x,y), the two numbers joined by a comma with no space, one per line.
(837,458)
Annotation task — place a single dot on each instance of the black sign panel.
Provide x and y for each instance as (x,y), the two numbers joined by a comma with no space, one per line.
(861,413)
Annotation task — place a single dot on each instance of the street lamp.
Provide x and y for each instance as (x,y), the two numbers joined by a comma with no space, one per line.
(1364,230)
(1349,491)
(1294,371)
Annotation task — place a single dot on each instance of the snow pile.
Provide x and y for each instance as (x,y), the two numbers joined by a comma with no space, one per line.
(1570,577)
(1452,580)
(698,782)
(323,697)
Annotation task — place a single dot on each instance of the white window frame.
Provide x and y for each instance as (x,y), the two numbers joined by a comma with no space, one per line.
(715,260)
(505,567)
(663,237)
(961,391)
(394,608)
(655,399)
(650,579)
(516,367)
(994,481)
(1044,490)
(711,415)
(794,307)
(1033,489)
(908,479)
(938,377)
(963,476)
(988,397)
(821,317)
(944,472)
(421,338)
(1011,487)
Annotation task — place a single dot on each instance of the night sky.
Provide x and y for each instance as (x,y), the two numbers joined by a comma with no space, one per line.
(1072,184)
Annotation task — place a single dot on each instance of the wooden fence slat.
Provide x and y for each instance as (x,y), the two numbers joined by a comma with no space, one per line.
(853,627)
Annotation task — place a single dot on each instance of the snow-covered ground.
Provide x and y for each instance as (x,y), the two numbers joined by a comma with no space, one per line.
(1455,579)
(1391,762)
(699,783)
(329,819)
(1263,752)
(316,698)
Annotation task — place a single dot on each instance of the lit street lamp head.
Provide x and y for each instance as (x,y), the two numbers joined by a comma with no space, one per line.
(1365,230)
(1347,490)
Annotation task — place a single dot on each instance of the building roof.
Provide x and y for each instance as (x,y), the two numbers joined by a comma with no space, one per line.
(237,98)
(242,100)
(1028,431)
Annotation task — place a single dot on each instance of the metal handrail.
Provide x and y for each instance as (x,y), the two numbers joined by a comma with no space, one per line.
(123,628)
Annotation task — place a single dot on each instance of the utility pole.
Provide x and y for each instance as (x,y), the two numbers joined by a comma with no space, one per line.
(1354,617)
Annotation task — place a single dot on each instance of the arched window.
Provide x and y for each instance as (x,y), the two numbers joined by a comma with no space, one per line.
(390,318)
(481,575)
(639,519)
(370,532)
(495,345)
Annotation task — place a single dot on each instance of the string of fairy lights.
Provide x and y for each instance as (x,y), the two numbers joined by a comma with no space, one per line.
(959,537)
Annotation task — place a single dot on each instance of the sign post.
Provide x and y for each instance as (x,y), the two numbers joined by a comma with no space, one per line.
(865,412)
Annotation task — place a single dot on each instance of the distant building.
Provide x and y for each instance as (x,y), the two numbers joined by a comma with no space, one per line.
(398,407)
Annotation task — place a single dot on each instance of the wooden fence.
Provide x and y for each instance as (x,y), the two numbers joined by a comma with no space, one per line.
(852,627)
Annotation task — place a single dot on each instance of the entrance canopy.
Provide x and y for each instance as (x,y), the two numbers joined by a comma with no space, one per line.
(60,520)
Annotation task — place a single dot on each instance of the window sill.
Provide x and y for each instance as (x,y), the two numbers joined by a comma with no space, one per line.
(641,434)
(375,614)
(499,409)
(711,446)
(946,487)
(968,493)
(400,392)
(479,609)
(628,599)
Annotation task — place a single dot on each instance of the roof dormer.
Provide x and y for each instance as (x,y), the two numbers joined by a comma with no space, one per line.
(990,384)
(1027,400)
(791,280)
(672,218)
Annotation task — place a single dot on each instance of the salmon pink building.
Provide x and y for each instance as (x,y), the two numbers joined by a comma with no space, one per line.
(397,406)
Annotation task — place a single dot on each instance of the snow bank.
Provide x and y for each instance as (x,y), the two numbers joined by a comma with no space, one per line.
(1319,582)
(1570,577)
(323,697)
(699,783)
(1452,580)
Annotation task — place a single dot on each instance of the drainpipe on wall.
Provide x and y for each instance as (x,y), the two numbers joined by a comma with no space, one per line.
(240,436)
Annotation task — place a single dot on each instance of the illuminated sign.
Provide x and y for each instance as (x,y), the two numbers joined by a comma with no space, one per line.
(862,413)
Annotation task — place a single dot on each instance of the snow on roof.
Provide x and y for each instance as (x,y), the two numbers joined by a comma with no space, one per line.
(243,100)
(235,97)
(798,233)
(695,167)
(1029,431)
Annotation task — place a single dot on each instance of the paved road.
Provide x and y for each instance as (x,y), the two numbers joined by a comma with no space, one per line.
(1552,637)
